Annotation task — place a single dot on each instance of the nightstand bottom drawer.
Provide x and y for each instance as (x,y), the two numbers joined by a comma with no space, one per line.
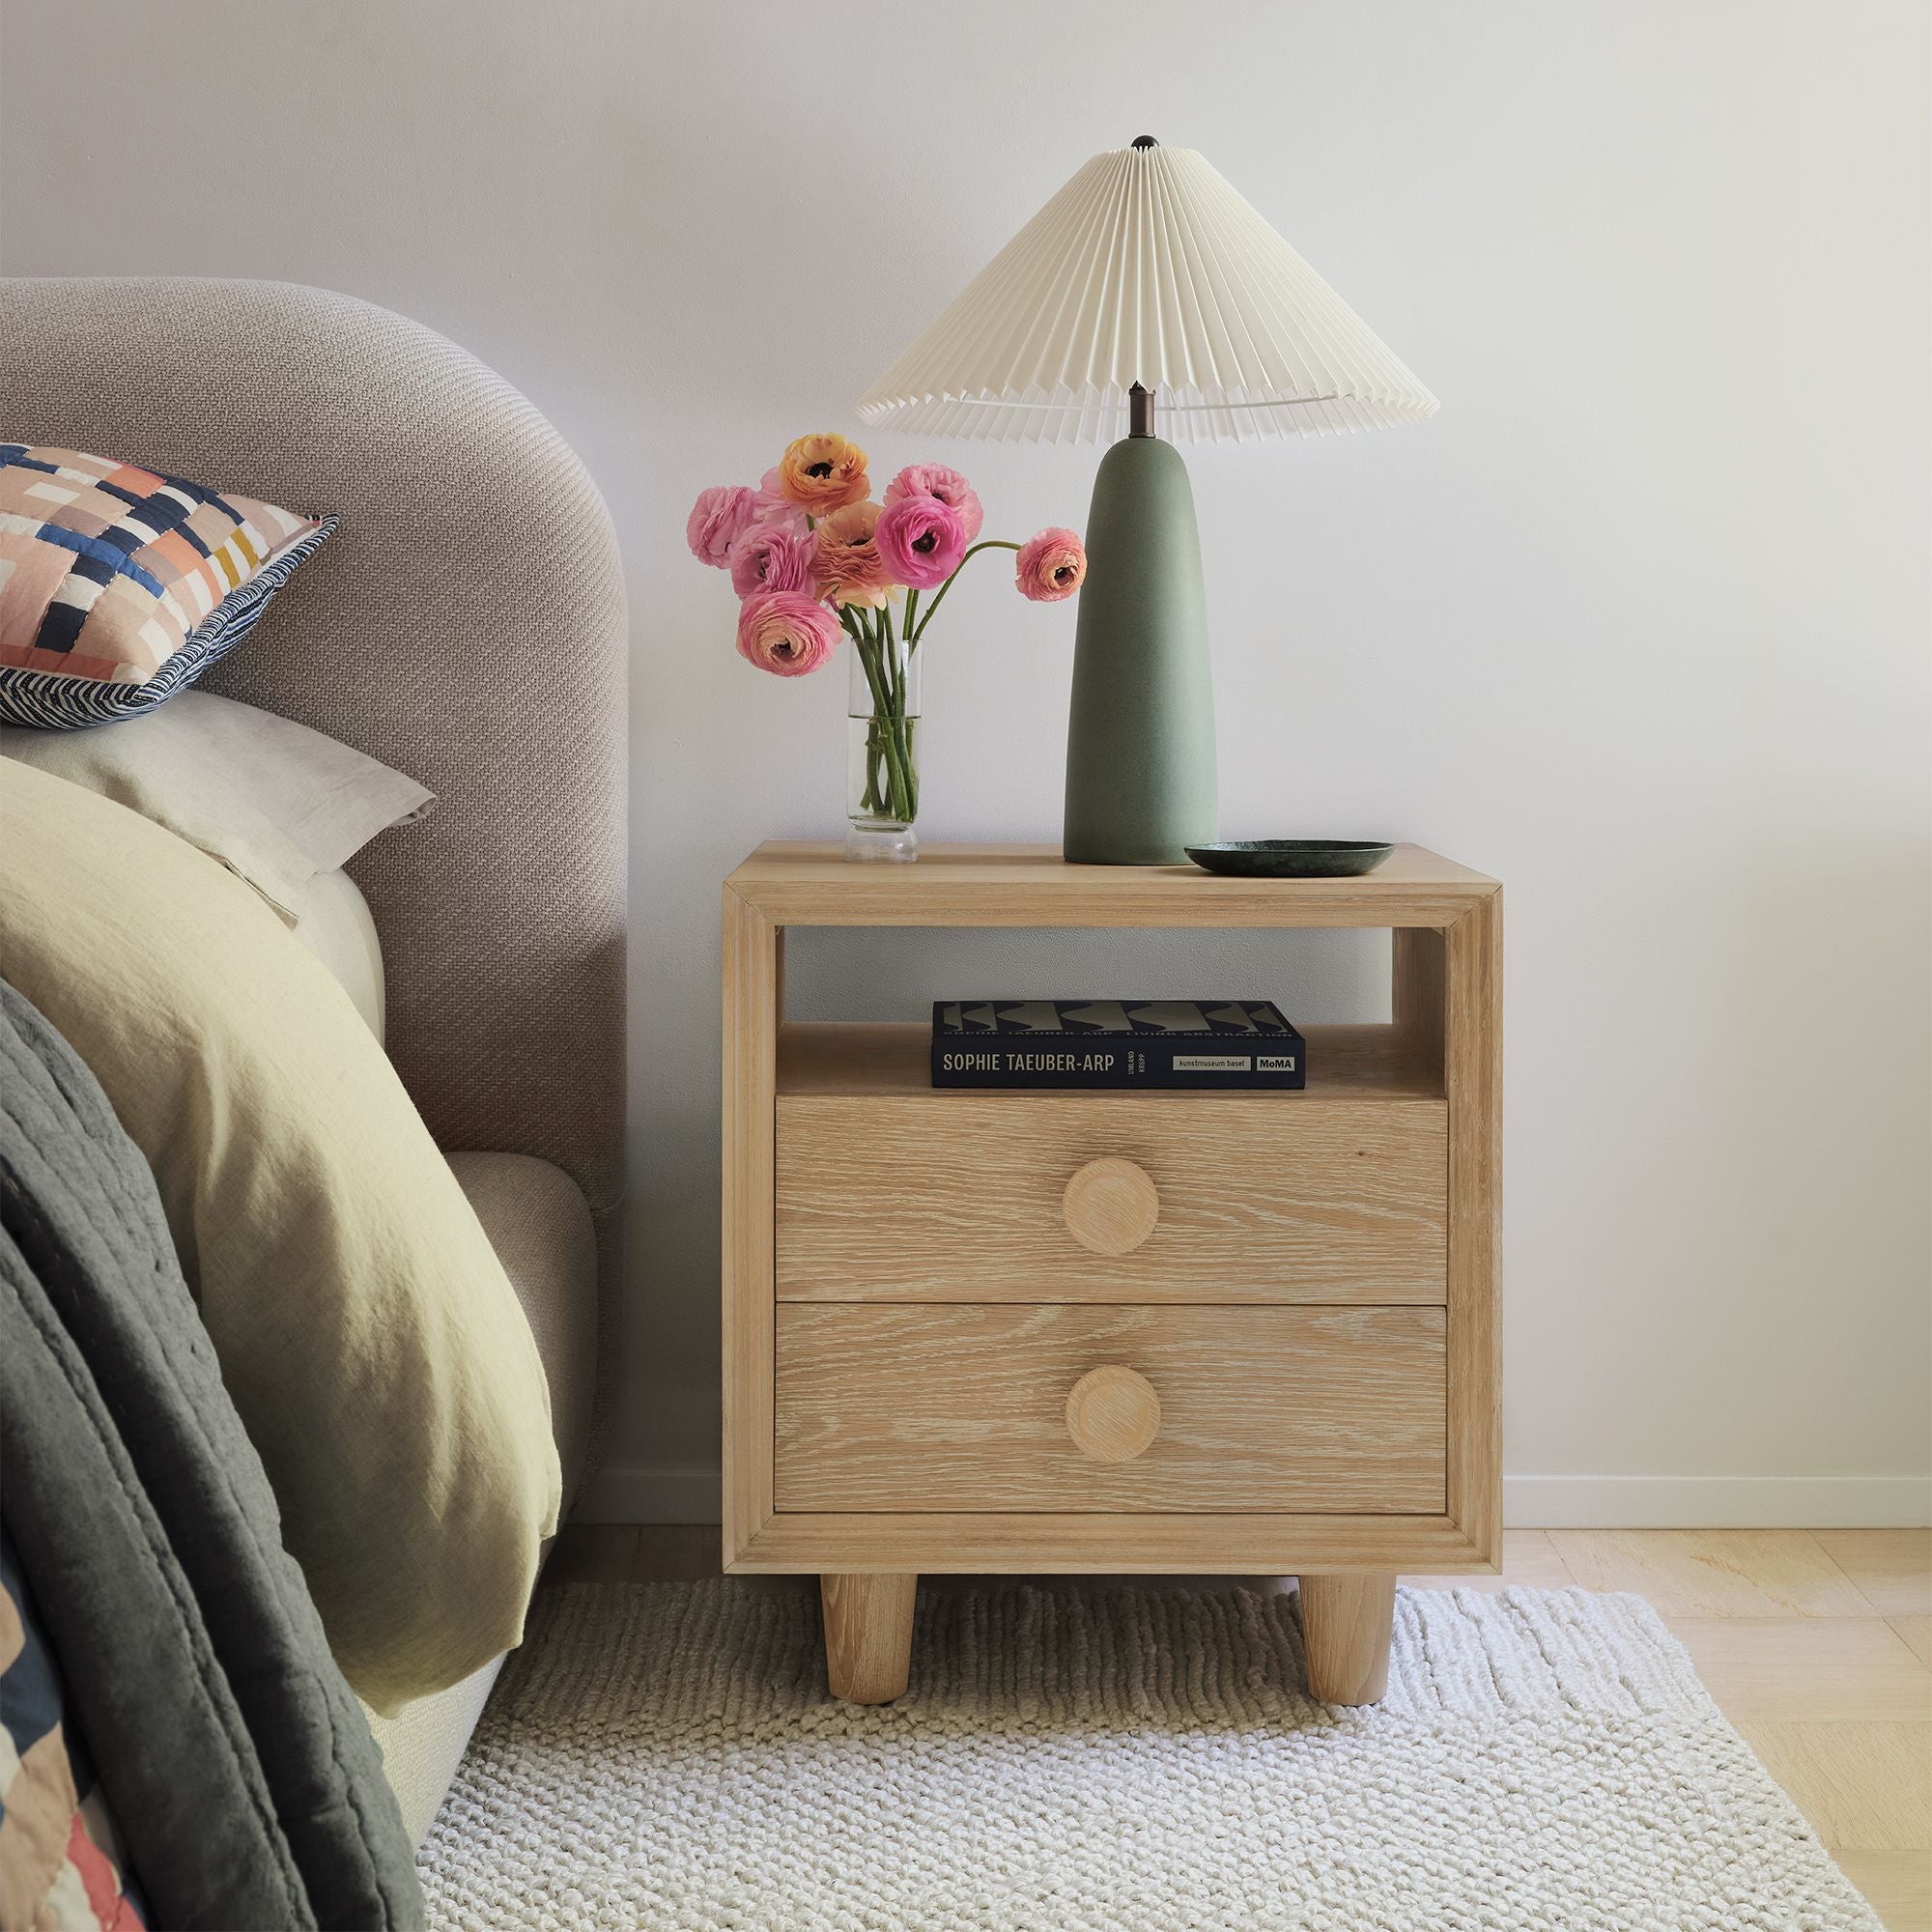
(1076,1408)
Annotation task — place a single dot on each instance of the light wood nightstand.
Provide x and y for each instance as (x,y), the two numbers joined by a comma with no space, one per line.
(1147,1331)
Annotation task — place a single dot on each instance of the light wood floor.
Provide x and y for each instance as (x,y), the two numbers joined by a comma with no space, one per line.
(1817,1644)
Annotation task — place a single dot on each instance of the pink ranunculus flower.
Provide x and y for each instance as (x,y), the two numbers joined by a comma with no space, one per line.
(934,480)
(1051,566)
(846,564)
(919,540)
(773,506)
(716,522)
(769,556)
(785,633)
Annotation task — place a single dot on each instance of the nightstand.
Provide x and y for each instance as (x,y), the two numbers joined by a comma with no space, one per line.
(1064,1332)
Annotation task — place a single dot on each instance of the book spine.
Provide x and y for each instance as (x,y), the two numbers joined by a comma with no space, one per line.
(1146,1062)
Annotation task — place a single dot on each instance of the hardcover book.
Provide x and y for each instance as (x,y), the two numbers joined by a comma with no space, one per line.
(1246,1046)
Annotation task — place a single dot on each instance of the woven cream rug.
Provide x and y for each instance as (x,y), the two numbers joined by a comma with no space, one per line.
(661,1756)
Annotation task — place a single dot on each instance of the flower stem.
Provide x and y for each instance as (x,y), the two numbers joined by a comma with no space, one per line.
(855,629)
(900,670)
(986,543)
(888,710)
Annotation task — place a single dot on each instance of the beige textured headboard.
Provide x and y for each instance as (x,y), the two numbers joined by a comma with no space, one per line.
(464,623)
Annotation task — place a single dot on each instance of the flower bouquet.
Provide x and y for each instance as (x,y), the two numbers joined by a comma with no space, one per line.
(810,554)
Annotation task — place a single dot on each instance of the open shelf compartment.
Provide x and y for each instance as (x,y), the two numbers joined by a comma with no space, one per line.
(840,1057)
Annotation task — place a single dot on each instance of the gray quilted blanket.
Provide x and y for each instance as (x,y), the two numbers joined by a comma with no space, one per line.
(241,1771)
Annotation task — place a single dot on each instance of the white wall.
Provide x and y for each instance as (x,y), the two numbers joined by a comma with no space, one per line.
(1639,622)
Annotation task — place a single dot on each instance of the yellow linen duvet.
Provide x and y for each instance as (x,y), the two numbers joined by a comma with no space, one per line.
(366,1331)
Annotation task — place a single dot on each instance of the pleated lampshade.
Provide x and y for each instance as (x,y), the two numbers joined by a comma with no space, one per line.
(1146,267)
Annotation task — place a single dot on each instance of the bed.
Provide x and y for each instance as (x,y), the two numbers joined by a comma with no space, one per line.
(466,625)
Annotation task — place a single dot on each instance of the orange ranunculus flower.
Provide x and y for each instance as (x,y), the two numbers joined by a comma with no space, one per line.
(823,473)
(846,565)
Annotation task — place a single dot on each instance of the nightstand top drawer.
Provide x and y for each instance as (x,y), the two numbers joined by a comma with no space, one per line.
(1044,1196)
(1077,1409)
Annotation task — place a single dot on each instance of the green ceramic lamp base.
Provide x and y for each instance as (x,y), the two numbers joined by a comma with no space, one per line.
(1140,733)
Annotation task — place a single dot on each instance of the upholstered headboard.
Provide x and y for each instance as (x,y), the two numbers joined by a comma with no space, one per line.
(466,624)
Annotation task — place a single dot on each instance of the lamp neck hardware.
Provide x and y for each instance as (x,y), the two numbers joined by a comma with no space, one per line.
(1140,410)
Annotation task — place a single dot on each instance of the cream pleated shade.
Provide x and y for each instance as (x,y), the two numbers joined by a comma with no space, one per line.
(1145,268)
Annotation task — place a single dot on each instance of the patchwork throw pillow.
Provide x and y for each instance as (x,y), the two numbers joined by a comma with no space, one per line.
(119,587)
(61,1854)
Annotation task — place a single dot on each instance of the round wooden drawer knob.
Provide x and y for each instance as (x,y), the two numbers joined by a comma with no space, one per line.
(1113,1414)
(1110,1207)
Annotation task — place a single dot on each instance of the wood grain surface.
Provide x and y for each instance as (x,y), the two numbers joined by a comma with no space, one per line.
(860,1198)
(1472,1055)
(754,955)
(1113,1414)
(1110,1205)
(1032,885)
(885,1407)
(1347,1623)
(867,1634)
(961,1196)
(1115,1542)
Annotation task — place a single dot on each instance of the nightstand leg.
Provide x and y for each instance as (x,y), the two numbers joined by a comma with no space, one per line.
(1345,1624)
(867,1634)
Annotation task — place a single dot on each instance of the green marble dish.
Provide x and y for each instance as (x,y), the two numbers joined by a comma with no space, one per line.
(1291,858)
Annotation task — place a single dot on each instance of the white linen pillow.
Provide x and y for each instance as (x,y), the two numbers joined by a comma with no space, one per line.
(333,923)
(272,800)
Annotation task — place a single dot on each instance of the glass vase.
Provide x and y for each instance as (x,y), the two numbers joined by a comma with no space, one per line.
(881,747)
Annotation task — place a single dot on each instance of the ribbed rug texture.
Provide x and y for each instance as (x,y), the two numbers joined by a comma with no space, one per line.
(666,1755)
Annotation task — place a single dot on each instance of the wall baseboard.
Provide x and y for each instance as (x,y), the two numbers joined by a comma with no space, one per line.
(638,1492)
(1717,1502)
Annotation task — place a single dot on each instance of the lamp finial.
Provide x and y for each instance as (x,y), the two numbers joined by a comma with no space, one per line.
(1145,141)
